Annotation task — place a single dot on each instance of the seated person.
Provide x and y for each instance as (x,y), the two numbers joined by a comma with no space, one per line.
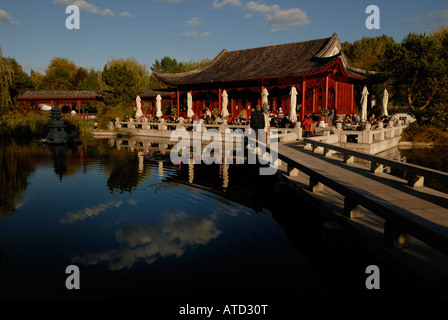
(275,123)
(347,121)
(307,121)
(285,122)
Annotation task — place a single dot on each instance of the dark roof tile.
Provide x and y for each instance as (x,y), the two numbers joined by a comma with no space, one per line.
(45,95)
(285,60)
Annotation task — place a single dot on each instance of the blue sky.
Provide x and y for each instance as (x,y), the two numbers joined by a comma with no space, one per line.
(34,31)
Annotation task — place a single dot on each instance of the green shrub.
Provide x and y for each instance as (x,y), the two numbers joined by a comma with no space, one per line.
(415,133)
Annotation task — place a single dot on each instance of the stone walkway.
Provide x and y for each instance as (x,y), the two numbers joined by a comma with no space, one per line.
(426,207)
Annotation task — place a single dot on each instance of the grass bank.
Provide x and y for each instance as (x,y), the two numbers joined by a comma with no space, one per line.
(33,125)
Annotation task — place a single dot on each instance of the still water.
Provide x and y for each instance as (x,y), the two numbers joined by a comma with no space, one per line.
(138,226)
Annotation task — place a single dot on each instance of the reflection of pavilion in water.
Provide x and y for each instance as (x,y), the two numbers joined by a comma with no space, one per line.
(211,177)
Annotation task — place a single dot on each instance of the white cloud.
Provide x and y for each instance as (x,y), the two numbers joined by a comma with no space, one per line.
(219,5)
(441,15)
(6,18)
(194,21)
(277,18)
(85,6)
(260,8)
(126,14)
(190,34)
(195,34)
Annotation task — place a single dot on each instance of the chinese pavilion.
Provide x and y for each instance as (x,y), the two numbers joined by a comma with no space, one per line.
(317,69)
(66,100)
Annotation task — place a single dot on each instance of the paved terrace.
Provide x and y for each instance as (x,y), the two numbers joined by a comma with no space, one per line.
(402,221)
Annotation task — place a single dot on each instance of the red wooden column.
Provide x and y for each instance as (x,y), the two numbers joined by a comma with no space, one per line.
(326,92)
(352,95)
(314,100)
(336,95)
(78,103)
(303,99)
(178,103)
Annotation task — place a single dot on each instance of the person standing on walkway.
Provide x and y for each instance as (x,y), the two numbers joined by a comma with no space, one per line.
(257,120)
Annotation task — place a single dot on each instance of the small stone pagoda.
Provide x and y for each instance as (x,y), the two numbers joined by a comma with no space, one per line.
(58,133)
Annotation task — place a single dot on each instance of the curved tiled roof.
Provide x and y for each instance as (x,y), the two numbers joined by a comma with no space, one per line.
(53,95)
(150,94)
(284,60)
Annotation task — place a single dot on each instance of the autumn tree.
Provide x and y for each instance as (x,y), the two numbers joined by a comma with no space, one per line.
(59,75)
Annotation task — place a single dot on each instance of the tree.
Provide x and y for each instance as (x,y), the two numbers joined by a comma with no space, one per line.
(59,75)
(21,80)
(418,69)
(36,78)
(124,79)
(193,65)
(170,65)
(6,80)
(367,52)
(166,65)
(91,82)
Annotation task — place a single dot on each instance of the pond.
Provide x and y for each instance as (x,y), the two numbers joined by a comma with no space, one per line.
(138,226)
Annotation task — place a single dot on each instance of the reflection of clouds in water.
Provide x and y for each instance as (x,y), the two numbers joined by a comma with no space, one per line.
(89,212)
(23,200)
(176,233)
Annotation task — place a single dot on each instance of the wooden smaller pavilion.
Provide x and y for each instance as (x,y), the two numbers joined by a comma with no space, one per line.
(318,69)
(65,100)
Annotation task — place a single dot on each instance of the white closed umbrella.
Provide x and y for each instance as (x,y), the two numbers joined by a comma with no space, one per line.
(190,112)
(385,101)
(292,112)
(138,102)
(225,102)
(159,106)
(264,100)
(364,95)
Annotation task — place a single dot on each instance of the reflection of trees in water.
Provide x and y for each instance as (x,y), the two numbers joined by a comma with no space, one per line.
(124,170)
(17,163)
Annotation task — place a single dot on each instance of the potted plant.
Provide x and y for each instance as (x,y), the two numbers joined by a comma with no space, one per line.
(324,114)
